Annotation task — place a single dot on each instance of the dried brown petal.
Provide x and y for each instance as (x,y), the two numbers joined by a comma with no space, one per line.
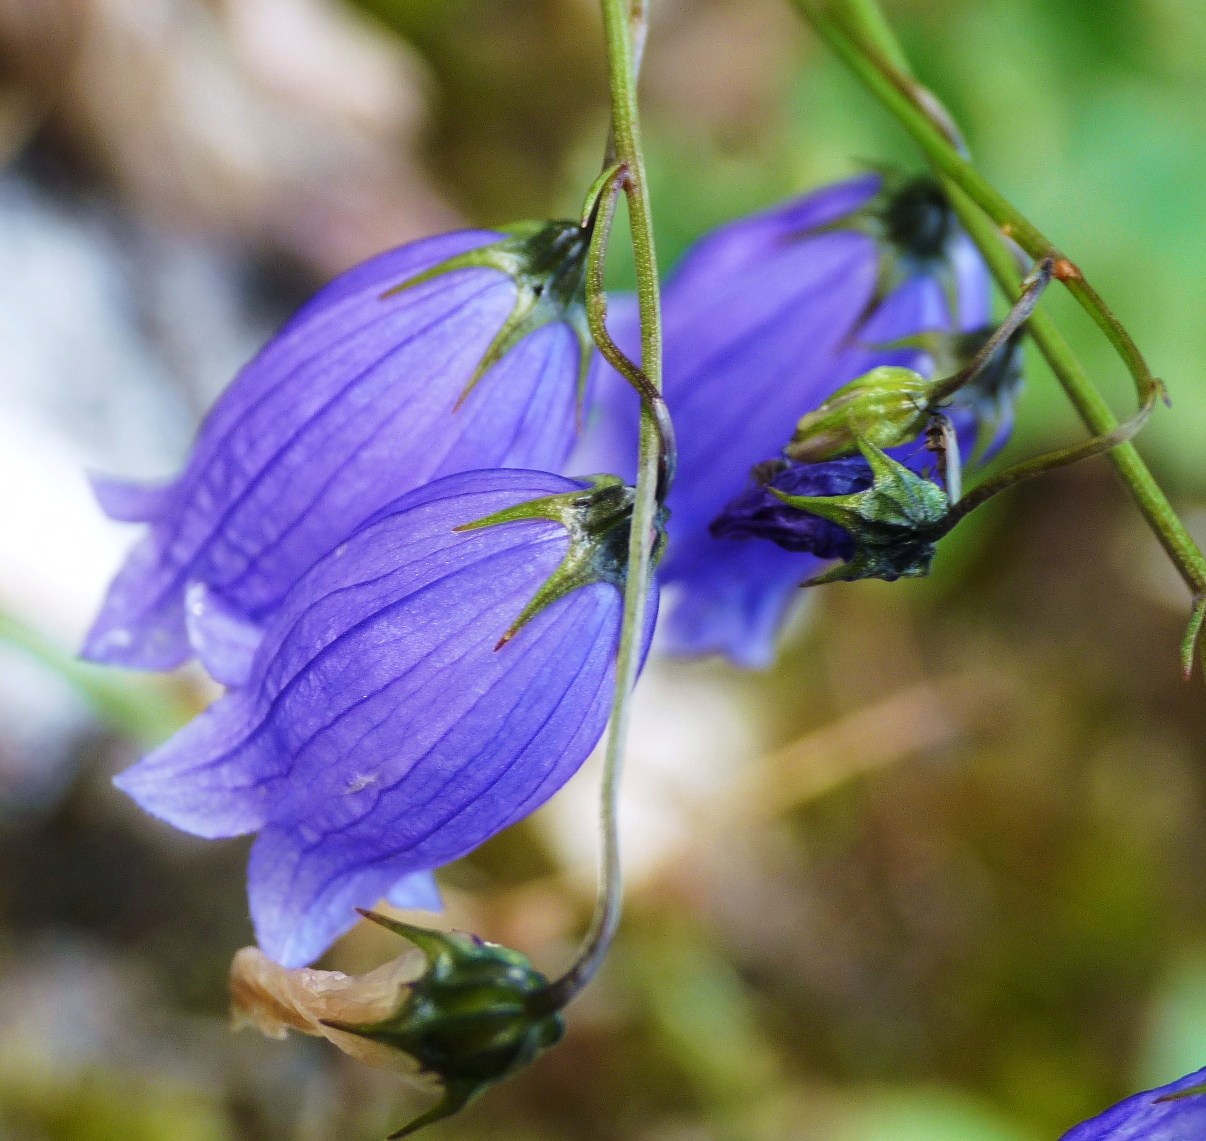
(275,1000)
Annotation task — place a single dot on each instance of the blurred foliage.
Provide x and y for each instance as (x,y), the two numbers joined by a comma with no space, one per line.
(968,900)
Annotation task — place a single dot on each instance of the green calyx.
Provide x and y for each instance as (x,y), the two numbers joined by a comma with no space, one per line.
(547,263)
(598,520)
(912,222)
(885,407)
(895,523)
(470,1020)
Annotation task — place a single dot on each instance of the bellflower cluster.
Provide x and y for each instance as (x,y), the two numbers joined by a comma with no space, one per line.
(764,319)
(1174,1112)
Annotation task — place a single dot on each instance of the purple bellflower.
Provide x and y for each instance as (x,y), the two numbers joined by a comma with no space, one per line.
(467,350)
(434,678)
(764,319)
(1175,1112)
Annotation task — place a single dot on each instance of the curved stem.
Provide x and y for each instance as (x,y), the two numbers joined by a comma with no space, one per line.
(602,211)
(1027,469)
(1023,308)
(623,24)
(859,34)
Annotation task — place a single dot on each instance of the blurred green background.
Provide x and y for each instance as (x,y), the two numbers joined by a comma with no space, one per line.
(938,876)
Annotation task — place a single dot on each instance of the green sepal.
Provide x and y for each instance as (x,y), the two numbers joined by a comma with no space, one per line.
(886,407)
(470,1020)
(895,523)
(547,263)
(598,520)
(911,222)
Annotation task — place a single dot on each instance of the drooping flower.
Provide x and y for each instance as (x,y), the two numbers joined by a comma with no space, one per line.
(1174,1112)
(764,319)
(418,690)
(461,351)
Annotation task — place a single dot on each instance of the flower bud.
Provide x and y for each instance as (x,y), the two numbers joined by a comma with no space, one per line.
(887,406)
(469,1020)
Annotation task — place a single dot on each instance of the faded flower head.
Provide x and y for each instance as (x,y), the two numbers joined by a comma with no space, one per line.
(406,701)
(462,351)
(468,1018)
(764,319)
(1174,1112)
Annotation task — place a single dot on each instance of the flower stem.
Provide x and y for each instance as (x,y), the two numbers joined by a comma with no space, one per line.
(859,34)
(624,23)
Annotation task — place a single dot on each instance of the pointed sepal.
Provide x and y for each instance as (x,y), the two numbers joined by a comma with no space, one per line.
(914,226)
(473,1018)
(547,263)
(895,523)
(598,520)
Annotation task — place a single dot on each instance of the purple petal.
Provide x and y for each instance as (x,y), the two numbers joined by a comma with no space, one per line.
(1146,1117)
(224,642)
(732,598)
(742,245)
(129,502)
(209,779)
(349,407)
(416,892)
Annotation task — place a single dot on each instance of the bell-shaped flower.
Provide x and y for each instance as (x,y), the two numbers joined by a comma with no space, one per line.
(433,679)
(458,352)
(764,319)
(1175,1112)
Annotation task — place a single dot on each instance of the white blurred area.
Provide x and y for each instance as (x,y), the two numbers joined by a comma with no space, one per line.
(153,150)
(694,737)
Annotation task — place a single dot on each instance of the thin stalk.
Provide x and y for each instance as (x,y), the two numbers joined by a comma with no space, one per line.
(859,34)
(600,214)
(624,29)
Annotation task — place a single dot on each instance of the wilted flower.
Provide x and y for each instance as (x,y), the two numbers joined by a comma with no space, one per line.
(385,729)
(1175,1112)
(762,510)
(764,319)
(877,515)
(462,351)
(476,1014)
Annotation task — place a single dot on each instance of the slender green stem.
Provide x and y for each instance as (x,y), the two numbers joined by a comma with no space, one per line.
(1032,289)
(859,34)
(1038,465)
(624,24)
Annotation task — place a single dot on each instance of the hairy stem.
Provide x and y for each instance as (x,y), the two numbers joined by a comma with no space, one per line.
(624,28)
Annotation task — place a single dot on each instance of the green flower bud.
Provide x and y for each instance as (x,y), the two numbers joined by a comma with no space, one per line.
(895,523)
(470,1020)
(885,407)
